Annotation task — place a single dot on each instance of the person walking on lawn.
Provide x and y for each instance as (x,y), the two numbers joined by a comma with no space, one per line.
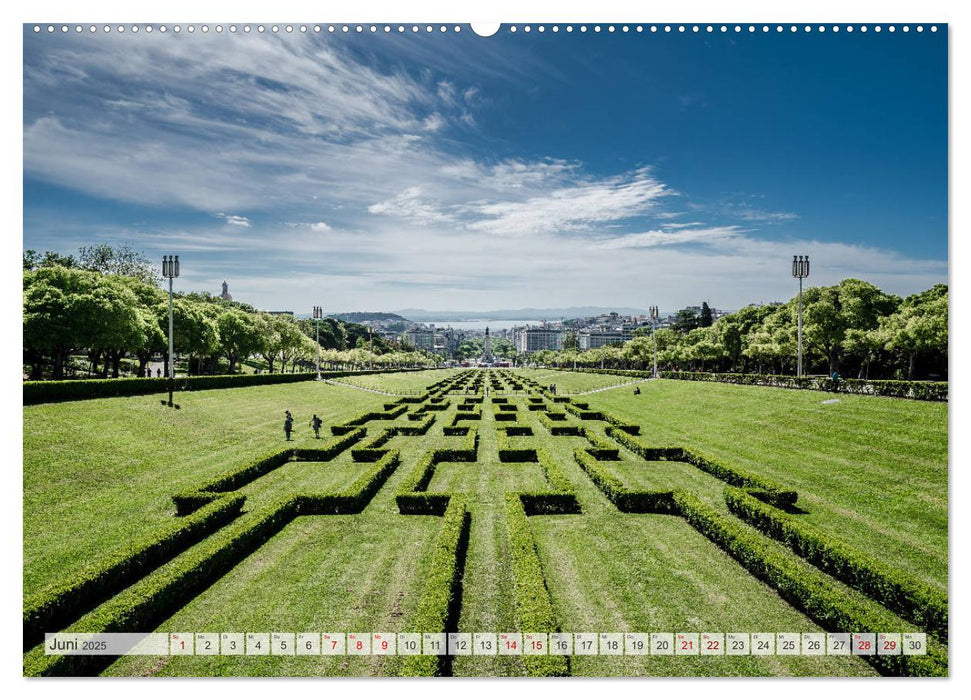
(315,423)
(288,425)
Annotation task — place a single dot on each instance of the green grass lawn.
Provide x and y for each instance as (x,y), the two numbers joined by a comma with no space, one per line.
(398,382)
(571,382)
(870,471)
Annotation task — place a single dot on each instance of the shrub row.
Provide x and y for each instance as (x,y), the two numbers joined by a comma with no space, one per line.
(552,471)
(190,501)
(912,600)
(331,449)
(55,606)
(620,423)
(517,429)
(79,389)
(773,493)
(626,500)
(559,426)
(534,609)
(505,417)
(419,429)
(807,589)
(410,498)
(923,391)
(146,604)
(439,601)
(355,497)
(599,447)
(508,453)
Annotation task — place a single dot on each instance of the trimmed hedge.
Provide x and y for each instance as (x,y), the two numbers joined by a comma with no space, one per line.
(80,389)
(189,501)
(349,426)
(55,606)
(912,600)
(626,500)
(620,423)
(506,417)
(331,449)
(773,493)
(517,429)
(921,391)
(534,609)
(552,471)
(410,497)
(437,608)
(419,429)
(154,598)
(508,453)
(355,497)
(600,448)
(808,589)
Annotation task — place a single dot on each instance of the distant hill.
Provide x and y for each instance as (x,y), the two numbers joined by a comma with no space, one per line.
(368,316)
(554,314)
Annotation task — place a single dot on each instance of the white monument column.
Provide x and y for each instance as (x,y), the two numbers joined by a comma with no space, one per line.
(487,347)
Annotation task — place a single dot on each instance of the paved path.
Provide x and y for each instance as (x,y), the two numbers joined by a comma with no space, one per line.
(576,393)
(365,388)
(607,388)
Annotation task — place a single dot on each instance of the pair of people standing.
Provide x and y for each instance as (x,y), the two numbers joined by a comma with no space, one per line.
(315,424)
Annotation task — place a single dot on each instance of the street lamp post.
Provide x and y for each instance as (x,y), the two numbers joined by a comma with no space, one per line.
(800,270)
(654,316)
(318,314)
(170,270)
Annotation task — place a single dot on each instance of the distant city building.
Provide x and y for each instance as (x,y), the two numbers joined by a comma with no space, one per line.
(280,313)
(420,338)
(591,339)
(225,294)
(529,340)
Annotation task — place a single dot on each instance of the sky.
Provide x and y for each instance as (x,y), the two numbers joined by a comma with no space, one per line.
(451,171)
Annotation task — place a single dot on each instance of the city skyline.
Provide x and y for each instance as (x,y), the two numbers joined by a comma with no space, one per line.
(379,172)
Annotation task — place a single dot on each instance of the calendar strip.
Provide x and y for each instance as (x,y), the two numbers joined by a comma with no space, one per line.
(700,644)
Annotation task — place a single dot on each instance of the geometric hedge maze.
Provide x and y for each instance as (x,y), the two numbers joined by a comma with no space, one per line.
(117,594)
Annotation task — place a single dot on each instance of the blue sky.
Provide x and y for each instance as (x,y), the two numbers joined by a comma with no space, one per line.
(444,171)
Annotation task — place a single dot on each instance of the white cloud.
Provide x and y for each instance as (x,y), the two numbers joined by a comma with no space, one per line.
(235,220)
(680,236)
(319,227)
(408,204)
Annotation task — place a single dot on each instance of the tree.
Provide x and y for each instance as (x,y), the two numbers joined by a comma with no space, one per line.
(123,260)
(685,320)
(919,327)
(829,312)
(239,336)
(51,325)
(571,341)
(272,345)
(114,326)
(34,260)
(196,332)
(705,318)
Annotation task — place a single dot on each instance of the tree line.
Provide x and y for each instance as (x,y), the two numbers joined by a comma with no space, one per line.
(106,305)
(853,328)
